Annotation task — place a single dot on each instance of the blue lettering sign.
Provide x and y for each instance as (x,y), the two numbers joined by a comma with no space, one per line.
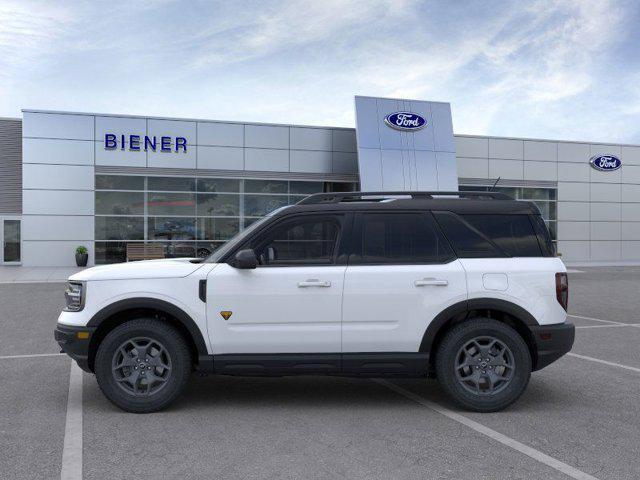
(146,143)
(110,142)
(165,144)
(149,143)
(134,142)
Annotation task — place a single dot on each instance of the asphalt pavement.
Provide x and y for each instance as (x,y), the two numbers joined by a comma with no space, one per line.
(579,417)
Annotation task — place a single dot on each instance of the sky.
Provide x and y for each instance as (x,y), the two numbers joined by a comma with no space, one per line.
(540,69)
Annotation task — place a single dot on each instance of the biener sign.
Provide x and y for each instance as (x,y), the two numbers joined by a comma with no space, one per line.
(145,143)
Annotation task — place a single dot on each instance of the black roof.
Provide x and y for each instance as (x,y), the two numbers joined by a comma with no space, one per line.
(457,202)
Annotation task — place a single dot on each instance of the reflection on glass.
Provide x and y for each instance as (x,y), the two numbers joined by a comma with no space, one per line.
(11,247)
(265,186)
(119,182)
(177,249)
(119,228)
(259,205)
(213,185)
(305,188)
(171,203)
(171,228)
(212,228)
(120,203)
(210,204)
(168,184)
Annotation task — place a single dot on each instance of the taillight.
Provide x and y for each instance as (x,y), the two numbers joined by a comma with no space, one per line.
(562,289)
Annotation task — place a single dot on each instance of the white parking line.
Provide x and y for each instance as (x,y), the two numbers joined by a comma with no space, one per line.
(604,362)
(597,319)
(610,326)
(497,436)
(72,449)
(33,355)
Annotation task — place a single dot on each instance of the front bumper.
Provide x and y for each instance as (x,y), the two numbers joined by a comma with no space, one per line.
(552,342)
(75,345)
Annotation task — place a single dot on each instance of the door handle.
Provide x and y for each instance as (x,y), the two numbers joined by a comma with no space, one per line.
(314,283)
(431,281)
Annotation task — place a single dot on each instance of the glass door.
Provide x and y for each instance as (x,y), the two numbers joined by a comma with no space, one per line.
(10,235)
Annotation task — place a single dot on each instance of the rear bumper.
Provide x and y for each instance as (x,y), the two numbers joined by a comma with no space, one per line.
(552,342)
(76,348)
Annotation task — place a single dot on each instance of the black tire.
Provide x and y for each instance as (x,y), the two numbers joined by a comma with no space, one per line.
(175,377)
(449,351)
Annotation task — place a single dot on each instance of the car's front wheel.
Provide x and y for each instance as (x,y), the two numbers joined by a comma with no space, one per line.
(143,365)
(483,364)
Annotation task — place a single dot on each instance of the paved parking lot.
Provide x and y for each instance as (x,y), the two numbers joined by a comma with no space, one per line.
(579,418)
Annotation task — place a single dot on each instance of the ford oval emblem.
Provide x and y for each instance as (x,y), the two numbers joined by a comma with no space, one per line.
(405,121)
(605,163)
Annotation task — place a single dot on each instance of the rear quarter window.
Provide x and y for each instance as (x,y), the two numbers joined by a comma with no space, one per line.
(514,234)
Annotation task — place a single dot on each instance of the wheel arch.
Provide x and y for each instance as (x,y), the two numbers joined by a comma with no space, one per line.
(504,311)
(123,310)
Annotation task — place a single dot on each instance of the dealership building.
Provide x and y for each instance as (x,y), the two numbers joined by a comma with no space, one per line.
(182,187)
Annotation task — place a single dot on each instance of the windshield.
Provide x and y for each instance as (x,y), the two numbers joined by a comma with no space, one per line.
(239,237)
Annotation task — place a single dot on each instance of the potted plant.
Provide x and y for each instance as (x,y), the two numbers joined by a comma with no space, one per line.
(82,255)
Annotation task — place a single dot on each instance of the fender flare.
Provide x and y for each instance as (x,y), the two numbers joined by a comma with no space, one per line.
(156,304)
(464,307)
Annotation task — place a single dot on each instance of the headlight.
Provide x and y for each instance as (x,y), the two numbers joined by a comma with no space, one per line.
(74,295)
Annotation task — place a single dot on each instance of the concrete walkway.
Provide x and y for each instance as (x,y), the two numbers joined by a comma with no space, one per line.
(19,274)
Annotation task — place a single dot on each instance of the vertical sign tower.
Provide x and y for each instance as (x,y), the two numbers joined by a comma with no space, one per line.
(405,145)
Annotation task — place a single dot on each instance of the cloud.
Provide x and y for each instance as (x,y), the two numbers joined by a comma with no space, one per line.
(536,68)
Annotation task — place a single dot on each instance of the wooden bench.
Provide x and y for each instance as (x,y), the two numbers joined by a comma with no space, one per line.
(140,251)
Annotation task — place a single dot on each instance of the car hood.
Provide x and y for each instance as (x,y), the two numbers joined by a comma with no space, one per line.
(166,268)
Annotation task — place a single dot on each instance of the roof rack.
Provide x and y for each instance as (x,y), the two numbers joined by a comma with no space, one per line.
(337,197)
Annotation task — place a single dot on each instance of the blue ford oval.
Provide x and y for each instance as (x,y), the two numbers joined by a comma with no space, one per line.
(605,163)
(405,121)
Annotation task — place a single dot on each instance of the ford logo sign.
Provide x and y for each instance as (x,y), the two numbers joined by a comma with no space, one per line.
(605,163)
(405,121)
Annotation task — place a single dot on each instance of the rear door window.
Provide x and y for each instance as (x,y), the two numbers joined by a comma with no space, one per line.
(399,238)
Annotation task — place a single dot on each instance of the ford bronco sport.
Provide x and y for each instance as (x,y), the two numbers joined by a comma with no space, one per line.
(464,286)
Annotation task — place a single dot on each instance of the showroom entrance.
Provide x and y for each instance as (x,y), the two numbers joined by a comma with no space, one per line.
(10,238)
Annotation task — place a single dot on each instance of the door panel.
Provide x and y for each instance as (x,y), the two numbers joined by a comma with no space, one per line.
(401,274)
(387,308)
(290,303)
(275,309)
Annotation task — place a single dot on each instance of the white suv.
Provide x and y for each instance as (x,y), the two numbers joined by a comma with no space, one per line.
(463,286)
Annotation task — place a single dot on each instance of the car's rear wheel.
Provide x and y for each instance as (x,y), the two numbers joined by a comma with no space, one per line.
(143,365)
(484,365)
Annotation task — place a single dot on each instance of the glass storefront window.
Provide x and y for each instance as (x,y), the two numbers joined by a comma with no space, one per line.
(171,204)
(177,249)
(188,216)
(119,228)
(210,204)
(171,184)
(171,228)
(119,203)
(213,228)
(213,185)
(260,205)
(265,186)
(119,182)
(305,188)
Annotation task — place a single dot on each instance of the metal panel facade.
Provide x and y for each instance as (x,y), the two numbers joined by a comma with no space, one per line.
(421,157)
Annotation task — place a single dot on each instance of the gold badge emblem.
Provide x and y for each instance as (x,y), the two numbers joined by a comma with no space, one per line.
(226,314)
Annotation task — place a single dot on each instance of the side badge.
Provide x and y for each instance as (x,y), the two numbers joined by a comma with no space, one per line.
(226,314)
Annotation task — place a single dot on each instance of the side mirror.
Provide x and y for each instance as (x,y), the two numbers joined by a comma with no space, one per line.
(246,259)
